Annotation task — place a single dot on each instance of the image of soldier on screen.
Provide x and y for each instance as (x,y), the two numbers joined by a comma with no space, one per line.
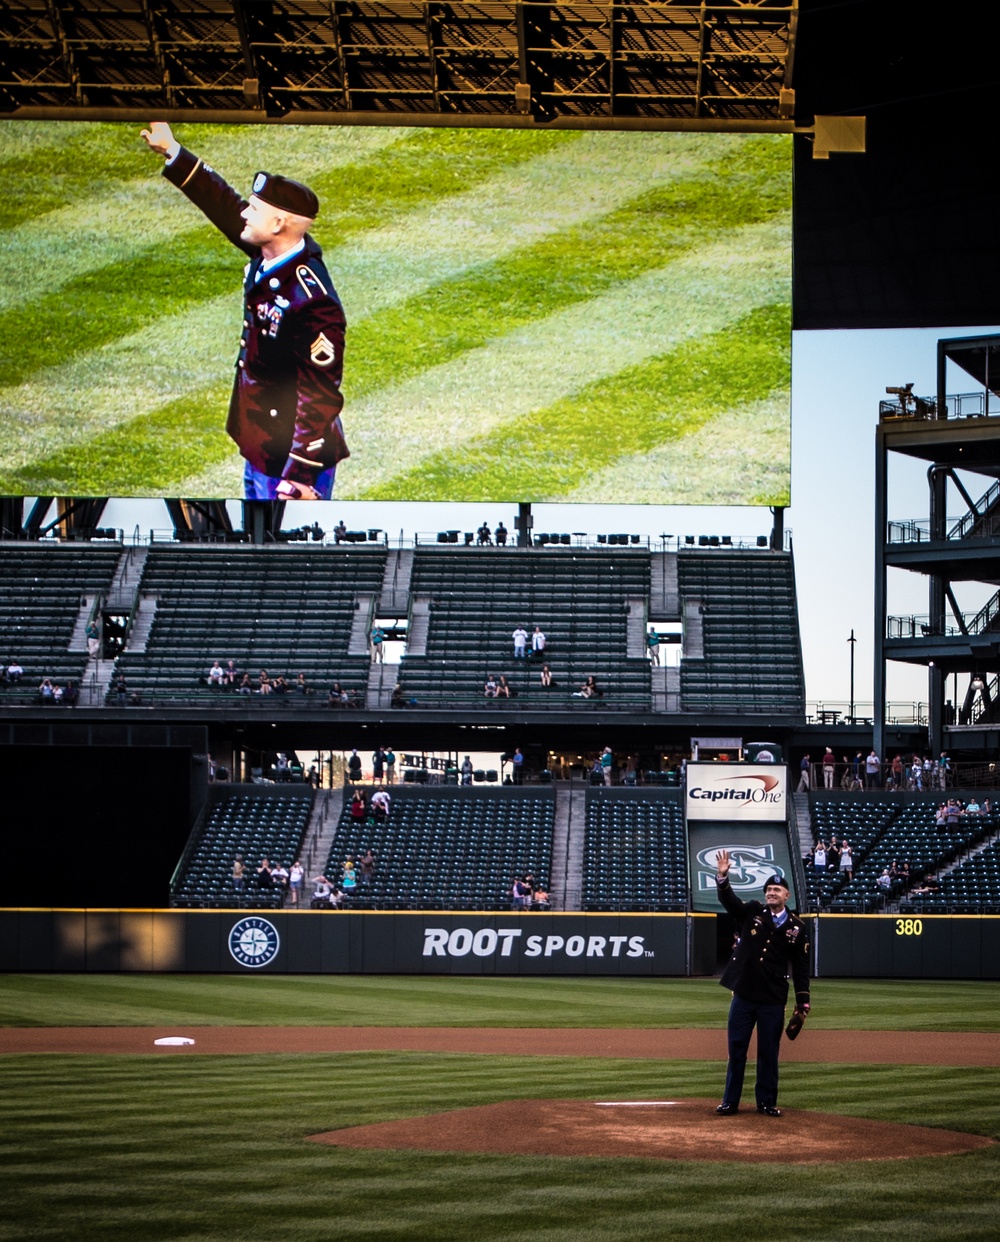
(284,412)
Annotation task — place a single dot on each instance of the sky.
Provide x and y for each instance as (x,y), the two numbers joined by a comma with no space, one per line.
(838,379)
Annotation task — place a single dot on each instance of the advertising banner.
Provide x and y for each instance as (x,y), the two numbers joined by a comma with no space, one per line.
(736,791)
(756,852)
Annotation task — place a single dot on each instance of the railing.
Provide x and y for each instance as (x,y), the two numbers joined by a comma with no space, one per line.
(959,405)
(986,704)
(984,618)
(919,626)
(839,712)
(962,528)
(851,774)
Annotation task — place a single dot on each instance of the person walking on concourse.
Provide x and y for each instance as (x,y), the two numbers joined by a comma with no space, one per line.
(771,943)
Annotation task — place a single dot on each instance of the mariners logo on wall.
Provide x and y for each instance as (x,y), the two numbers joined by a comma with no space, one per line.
(254,942)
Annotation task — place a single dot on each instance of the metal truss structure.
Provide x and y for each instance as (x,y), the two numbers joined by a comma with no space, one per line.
(660,65)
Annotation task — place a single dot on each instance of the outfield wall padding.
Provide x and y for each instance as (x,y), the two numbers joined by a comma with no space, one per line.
(362,942)
(475,943)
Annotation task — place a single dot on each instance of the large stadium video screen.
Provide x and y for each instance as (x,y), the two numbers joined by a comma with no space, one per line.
(531,316)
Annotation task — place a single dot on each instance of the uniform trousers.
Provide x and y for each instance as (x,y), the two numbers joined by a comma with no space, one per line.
(257,486)
(769,1020)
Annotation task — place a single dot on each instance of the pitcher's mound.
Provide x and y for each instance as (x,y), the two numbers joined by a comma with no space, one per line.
(655,1129)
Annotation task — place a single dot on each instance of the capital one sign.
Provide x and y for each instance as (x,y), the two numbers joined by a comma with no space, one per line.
(741,792)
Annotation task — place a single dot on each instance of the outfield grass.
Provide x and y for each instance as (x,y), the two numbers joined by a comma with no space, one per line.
(590,297)
(375,1000)
(212,1148)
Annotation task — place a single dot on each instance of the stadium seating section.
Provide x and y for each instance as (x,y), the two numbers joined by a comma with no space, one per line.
(884,830)
(254,821)
(41,586)
(752,656)
(577,598)
(284,609)
(449,848)
(635,856)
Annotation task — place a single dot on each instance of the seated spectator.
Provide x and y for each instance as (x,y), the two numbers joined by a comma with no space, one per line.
(520,894)
(279,877)
(14,672)
(322,898)
(884,881)
(972,807)
(490,688)
(500,535)
(589,690)
(336,696)
(930,884)
(987,807)
(230,676)
(301,685)
(503,688)
(380,805)
(46,691)
(280,685)
(339,531)
(71,695)
(216,676)
(397,698)
(57,692)
(264,685)
(540,900)
(483,535)
(246,685)
(545,677)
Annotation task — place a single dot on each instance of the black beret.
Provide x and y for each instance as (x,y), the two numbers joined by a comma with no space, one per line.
(779,880)
(285,194)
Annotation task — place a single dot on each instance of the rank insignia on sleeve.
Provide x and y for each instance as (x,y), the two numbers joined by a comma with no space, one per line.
(321,351)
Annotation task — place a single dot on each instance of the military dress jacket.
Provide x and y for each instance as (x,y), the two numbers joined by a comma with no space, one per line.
(765,955)
(284,412)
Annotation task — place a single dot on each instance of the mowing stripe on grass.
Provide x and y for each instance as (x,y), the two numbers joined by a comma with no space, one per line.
(547,453)
(396,430)
(739,455)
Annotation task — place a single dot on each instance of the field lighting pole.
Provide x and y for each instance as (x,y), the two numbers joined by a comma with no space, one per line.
(852,640)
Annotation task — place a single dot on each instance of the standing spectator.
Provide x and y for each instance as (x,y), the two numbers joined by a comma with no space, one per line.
(833,854)
(819,857)
(467,771)
(607,764)
(296,874)
(350,880)
(873,766)
(858,772)
(829,763)
(358,808)
(380,806)
(520,637)
(538,641)
(517,764)
(378,765)
(93,641)
(803,785)
(390,766)
(264,874)
(367,867)
(897,772)
(917,774)
(846,859)
(943,768)
(354,767)
(500,535)
(377,638)
(653,646)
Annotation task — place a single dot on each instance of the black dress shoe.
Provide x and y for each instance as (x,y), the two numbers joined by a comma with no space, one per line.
(769,1109)
(727,1110)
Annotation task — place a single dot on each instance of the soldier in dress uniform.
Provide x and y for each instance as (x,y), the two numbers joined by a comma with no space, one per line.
(772,943)
(285,408)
